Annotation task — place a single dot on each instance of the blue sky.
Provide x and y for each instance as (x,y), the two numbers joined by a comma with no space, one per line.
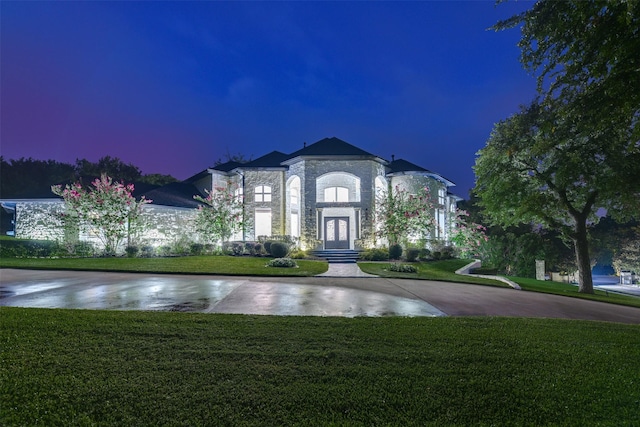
(173,86)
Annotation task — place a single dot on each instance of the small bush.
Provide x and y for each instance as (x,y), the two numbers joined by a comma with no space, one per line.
(267,246)
(425,254)
(258,249)
(148,251)
(164,250)
(132,251)
(282,262)
(412,254)
(436,255)
(279,249)
(403,268)
(448,252)
(196,248)
(237,248)
(298,254)
(250,248)
(395,251)
(375,254)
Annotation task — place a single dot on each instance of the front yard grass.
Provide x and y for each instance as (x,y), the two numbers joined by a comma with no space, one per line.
(223,265)
(433,270)
(569,290)
(86,367)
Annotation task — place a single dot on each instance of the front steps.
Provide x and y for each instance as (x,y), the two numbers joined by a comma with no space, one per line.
(342,256)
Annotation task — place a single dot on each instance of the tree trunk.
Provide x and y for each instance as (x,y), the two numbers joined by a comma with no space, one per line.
(581,244)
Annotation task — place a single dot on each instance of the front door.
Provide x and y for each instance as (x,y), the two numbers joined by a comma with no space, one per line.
(336,232)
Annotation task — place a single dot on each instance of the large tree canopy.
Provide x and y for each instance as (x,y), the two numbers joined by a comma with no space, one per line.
(586,52)
(576,149)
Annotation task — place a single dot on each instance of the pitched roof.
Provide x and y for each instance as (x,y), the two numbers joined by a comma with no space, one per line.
(271,160)
(402,165)
(227,166)
(179,194)
(331,147)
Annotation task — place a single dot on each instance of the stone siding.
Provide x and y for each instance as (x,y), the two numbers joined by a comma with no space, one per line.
(275,180)
(165,225)
(39,220)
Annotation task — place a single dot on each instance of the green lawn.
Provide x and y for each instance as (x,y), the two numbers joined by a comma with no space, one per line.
(432,270)
(225,265)
(570,290)
(82,367)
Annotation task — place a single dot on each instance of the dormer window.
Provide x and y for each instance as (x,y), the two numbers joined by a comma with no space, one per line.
(263,193)
(336,194)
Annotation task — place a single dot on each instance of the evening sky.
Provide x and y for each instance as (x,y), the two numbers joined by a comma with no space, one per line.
(174,86)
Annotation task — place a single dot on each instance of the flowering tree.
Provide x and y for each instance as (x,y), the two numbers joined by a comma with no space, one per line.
(107,209)
(221,217)
(400,215)
(467,236)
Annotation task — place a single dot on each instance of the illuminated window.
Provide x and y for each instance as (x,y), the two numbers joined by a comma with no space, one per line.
(336,194)
(294,197)
(263,222)
(442,193)
(238,193)
(263,193)
(295,225)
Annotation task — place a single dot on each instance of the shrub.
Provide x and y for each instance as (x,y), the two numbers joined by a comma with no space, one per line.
(250,248)
(375,254)
(267,246)
(164,250)
(403,268)
(448,252)
(282,262)
(298,254)
(258,249)
(412,254)
(395,251)
(425,254)
(436,255)
(27,248)
(196,248)
(148,251)
(237,248)
(132,251)
(279,249)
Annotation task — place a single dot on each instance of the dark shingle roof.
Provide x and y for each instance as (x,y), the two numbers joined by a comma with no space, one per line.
(271,160)
(401,165)
(331,147)
(179,194)
(227,166)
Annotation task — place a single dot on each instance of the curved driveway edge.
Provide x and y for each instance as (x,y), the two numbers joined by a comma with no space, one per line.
(314,296)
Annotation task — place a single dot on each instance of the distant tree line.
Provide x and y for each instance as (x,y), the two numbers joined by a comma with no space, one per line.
(25,178)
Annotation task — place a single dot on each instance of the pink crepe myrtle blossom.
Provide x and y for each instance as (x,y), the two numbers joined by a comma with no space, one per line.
(107,209)
(467,237)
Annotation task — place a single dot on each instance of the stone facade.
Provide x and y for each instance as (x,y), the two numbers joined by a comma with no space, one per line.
(324,196)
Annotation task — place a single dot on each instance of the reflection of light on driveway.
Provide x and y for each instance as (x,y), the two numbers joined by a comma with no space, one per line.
(110,291)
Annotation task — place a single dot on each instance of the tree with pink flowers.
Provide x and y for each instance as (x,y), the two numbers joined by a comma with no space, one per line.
(106,209)
(221,215)
(401,215)
(468,237)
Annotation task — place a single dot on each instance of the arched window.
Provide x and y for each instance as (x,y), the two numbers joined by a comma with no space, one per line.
(336,194)
(263,193)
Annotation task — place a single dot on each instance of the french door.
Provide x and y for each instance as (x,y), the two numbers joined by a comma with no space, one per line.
(336,232)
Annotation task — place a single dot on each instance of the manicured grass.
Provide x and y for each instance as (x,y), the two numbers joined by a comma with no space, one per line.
(81,367)
(432,270)
(224,265)
(569,290)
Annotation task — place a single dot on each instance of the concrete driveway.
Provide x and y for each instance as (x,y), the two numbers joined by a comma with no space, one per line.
(312,296)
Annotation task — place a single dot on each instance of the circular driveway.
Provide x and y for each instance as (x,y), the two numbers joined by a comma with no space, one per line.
(312,296)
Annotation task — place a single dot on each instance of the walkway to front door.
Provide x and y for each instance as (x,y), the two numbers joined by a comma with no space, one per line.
(336,232)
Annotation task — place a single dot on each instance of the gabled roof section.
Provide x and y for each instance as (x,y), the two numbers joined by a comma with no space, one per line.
(331,148)
(269,161)
(404,167)
(227,166)
(178,194)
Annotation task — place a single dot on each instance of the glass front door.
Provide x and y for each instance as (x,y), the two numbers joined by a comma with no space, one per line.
(336,233)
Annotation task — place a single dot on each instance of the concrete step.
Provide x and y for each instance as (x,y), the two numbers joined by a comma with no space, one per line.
(338,255)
